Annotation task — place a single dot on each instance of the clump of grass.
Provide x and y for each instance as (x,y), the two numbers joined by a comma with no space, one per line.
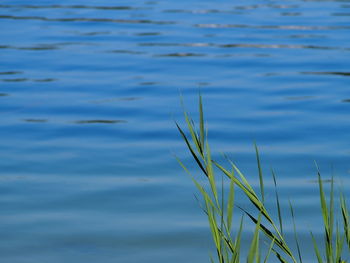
(219,207)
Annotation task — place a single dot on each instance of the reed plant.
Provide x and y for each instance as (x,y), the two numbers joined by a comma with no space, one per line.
(219,206)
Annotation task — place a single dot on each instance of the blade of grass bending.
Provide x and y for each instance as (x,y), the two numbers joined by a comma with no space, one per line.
(295,232)
(210,173)
(191,150)
(277,203)
(345,214)
(326,219)
(230,203)
(228,243)
(244,180)
(261,179)
(249,192)
(331,217)
(213,224)
(269,251)
(201,121)
(192,130)
(200,205)
(339,242)
(238,239)
(269,234)
(254,247)
(198,185)
(204,193)
(222,217)
(194,135)
(279,256)
(215,230)
(316,249)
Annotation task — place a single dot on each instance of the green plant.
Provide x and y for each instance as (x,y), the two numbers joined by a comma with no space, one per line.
(219,207)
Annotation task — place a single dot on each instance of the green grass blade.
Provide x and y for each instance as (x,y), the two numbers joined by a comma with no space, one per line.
(331,217)
(194,135)
(201,122)
(339,243)
(230,203)
(254,247)
(326,219)
(238,242)
(249,192)
(280,243)
(316,249)
(279,256)
(269,251)
(191,150)
(279,212)
(345,216)
(295,233)
(261,179)
(210,173)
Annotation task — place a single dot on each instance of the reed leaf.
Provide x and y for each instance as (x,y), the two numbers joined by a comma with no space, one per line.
(261,179)
(295,232)
(279,212)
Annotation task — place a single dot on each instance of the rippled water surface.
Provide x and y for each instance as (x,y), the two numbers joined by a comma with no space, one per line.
(89,91)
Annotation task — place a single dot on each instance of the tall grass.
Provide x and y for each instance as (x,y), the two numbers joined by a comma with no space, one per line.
(219,207)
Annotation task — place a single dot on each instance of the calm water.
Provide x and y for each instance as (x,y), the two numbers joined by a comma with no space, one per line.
(89,91)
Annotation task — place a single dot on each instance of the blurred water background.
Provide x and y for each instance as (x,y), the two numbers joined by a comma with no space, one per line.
(89,91)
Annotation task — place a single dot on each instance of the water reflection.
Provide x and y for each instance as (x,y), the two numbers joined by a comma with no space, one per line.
(11,72)
(243,45)
(15,80)
(344,74)
(299,98)
(71,7)
(283,27)
(99,121)
(109,100)
(148,34)
(291,14)
(34,48)
(200,11)
(82,19)
(181,54)
(36,120)
(148,83)
(45,80)
(27,79)
(122,51)
(93,33)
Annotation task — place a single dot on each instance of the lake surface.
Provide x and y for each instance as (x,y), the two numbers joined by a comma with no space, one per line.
(89,91)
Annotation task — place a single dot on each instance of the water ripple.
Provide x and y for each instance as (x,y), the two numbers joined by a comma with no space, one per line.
(181,54)
(284,27)
(244,45)
(10,72)
(35,120)
(344,74)
(99,121)
(82,19)
(71,7)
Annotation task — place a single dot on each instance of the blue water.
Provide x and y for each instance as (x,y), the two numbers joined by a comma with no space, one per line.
(89,91)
